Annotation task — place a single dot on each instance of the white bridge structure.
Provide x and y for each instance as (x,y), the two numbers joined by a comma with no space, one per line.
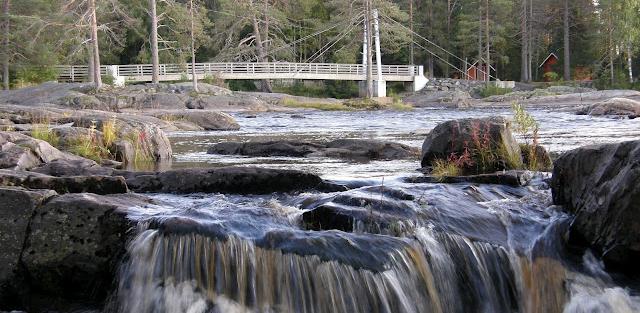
(250,71)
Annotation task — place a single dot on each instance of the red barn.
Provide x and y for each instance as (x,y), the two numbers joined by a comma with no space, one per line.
(547,66)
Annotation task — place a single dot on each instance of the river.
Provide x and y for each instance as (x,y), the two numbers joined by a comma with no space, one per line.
(407,247)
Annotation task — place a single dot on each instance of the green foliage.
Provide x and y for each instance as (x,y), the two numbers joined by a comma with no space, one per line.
(242,85)
(527,127)
(493,90)
(33,75)
(551,76)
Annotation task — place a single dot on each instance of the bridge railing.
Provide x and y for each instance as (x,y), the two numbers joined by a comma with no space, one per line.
(79,72)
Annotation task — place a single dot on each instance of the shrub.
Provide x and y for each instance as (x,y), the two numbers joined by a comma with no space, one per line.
(493,90)
(33,75)
(551,76)
(213,79)
(527,127)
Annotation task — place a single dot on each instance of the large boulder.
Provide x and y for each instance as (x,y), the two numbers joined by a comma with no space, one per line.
(240,180)
(74,247)
(21,152)
(18,206)
(357,149)
(601,186)
(488,142)
(612,107)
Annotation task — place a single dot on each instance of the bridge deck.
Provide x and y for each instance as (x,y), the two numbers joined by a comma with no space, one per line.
(276,70)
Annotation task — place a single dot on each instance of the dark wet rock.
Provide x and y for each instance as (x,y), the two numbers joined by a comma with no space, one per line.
(601,186)
(342,148)
(507,178)
(266,149)
(205,120)
(239,180)
(612,107)
(370,252)
(64,167)
(381,210)
(456,136)
(542,157)
(98,184)
(18,206)
(21,152)
(370,149)
(74,247)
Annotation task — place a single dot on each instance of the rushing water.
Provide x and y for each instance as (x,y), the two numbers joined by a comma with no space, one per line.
(412,247)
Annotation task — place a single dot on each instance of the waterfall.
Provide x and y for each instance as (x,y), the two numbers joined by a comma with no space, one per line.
(435,272)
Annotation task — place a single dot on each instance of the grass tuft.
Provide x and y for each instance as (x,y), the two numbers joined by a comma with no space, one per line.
(445,168)
(43,131)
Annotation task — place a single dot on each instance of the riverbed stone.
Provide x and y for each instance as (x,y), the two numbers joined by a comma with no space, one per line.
(17,208)
(21,152)
(601,185)
(74,247)
(357,149)
(238,180)
(612,107)
(508,178)
(542,157)
(472,134)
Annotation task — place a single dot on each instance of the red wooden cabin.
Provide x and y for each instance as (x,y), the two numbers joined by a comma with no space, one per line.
(478,71)
(547,66)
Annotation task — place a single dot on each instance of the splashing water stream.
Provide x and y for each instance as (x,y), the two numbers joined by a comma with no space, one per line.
(446,248)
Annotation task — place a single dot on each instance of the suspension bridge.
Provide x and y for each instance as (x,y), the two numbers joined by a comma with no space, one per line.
(308,70)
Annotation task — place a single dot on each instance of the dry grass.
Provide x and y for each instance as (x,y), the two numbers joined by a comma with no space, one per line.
(324,106)
(43,131)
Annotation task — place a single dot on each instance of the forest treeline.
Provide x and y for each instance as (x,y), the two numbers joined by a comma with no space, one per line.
(596,39)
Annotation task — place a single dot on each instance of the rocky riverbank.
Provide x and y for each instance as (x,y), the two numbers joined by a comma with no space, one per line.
(73,223)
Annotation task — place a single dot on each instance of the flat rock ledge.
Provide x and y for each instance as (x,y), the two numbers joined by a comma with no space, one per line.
(237,180)
(512,178)
(353,149)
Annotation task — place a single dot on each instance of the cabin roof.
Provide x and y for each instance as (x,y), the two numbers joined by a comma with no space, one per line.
(547,59)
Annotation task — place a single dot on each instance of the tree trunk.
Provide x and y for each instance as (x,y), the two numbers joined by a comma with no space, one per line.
(430,59)
(262,56)
(567,51)
(155,58)
(479,62)
(91,66)
(530,45)
(5,44)
(266,28)
(611,50)
(488,41)
(97,80)
(193,50)
(411,47)
(369,50)
(630,63)
(524,51)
